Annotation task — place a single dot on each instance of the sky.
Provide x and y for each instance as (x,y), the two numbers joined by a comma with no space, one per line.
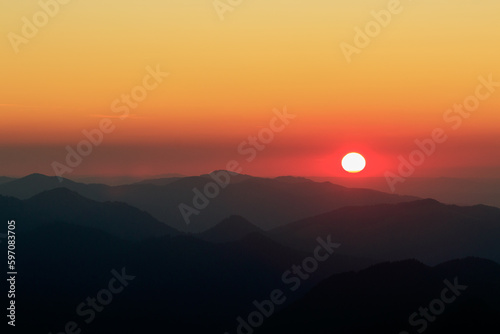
(232,69)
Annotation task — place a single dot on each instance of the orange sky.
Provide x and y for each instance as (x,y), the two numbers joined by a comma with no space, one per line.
(227,76)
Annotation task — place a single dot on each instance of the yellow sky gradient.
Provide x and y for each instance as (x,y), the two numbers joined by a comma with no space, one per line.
(227,76)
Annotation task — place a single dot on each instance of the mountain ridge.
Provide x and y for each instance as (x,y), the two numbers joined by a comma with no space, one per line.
(266,202)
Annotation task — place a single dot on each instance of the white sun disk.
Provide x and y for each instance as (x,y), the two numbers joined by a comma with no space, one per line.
(353,162)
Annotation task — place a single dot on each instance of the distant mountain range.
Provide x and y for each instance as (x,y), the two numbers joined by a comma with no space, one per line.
(427,230)
(268,203)
(257,236)
(461,191)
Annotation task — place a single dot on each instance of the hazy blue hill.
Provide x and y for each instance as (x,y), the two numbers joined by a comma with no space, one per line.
(426,229)
(462,191)
(63,205)
(29,186)
(380,299)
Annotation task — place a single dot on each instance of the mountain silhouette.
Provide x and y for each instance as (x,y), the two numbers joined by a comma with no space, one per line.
(70,240)
(450,190)
(63,205)
(178,279)
(266,202)
(382,298)
(29,186)
(427,230)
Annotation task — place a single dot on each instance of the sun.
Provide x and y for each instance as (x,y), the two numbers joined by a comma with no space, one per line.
(353,162)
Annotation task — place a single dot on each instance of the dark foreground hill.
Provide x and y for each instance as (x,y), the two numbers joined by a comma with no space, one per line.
(184,285)
(461,296)
(168,284)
